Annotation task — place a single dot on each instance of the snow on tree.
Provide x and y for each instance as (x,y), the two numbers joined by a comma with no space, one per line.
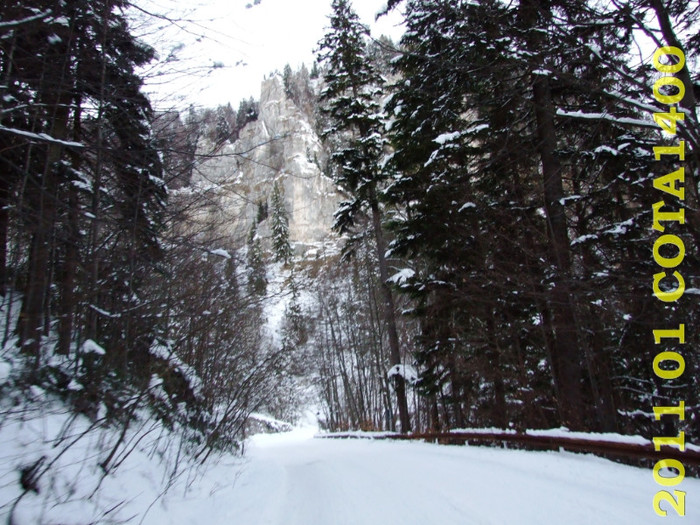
(257,274)
(351,99)
(519,139)
(279,226)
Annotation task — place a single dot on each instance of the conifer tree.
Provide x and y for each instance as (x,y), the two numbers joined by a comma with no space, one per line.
(224,129)
(287,79)
(518,135)
(95,170)
(353,87)
(257,278)
(294,330)
(314,74)
(280,226)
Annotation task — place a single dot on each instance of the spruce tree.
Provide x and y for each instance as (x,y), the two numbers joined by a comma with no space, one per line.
(91,187)
(223,124)
(257,277)
(314,74)
(350,98)
(280,227)
(453,220)
(287,79)
(294,330)
(518,131)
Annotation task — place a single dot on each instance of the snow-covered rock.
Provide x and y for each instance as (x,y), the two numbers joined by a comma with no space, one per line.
(281,145)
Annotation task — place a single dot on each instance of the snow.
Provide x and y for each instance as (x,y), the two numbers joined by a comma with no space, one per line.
(621,228)
(584,238)
(292,479)
(605,116)
(104,313)
(91,347)
(608,436)
(466,206)
(221,253)
(44,435)
(402,276)
(43,137)
(275,307)
(563,201)
(478,128)
(447,137)
(279,426)
(409,373)
(607,149)
(12,23)
(74,386)
(165,352)
(5,370)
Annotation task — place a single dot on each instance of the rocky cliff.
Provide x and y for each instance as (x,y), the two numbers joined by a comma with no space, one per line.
(280,146)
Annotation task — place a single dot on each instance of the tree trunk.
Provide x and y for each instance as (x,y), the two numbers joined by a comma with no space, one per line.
(499,417)
(5,183)
(4,227)
(34,308)
(377,348)
(66,308)
(389,311)
(566,345)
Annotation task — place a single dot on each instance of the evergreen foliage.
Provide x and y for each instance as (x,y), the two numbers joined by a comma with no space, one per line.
(351,93)
(314,71)
(280,226)
(522,199)
(287,79)
(81,162)
(103,303)
(257,278)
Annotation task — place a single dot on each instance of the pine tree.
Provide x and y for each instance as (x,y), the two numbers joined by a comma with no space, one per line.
(450,227)
(224,129)
(247,112)
(510,145)
(287,79)
(294,330)
(262,211)
(280,227)
(80,55)
(257,277)
(352,88)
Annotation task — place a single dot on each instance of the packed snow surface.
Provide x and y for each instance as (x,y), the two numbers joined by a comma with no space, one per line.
(293,479)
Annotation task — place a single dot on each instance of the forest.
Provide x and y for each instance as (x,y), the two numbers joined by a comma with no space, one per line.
(507,173)
(517,237)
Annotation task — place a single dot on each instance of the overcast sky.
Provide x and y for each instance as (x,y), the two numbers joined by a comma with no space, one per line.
(247,43)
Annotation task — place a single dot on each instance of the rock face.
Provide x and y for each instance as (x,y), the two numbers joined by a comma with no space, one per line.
(282,146)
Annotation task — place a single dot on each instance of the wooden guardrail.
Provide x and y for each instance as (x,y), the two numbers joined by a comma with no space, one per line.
(539,441)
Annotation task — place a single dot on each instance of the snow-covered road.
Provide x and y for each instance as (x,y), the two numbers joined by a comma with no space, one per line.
(293,479)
